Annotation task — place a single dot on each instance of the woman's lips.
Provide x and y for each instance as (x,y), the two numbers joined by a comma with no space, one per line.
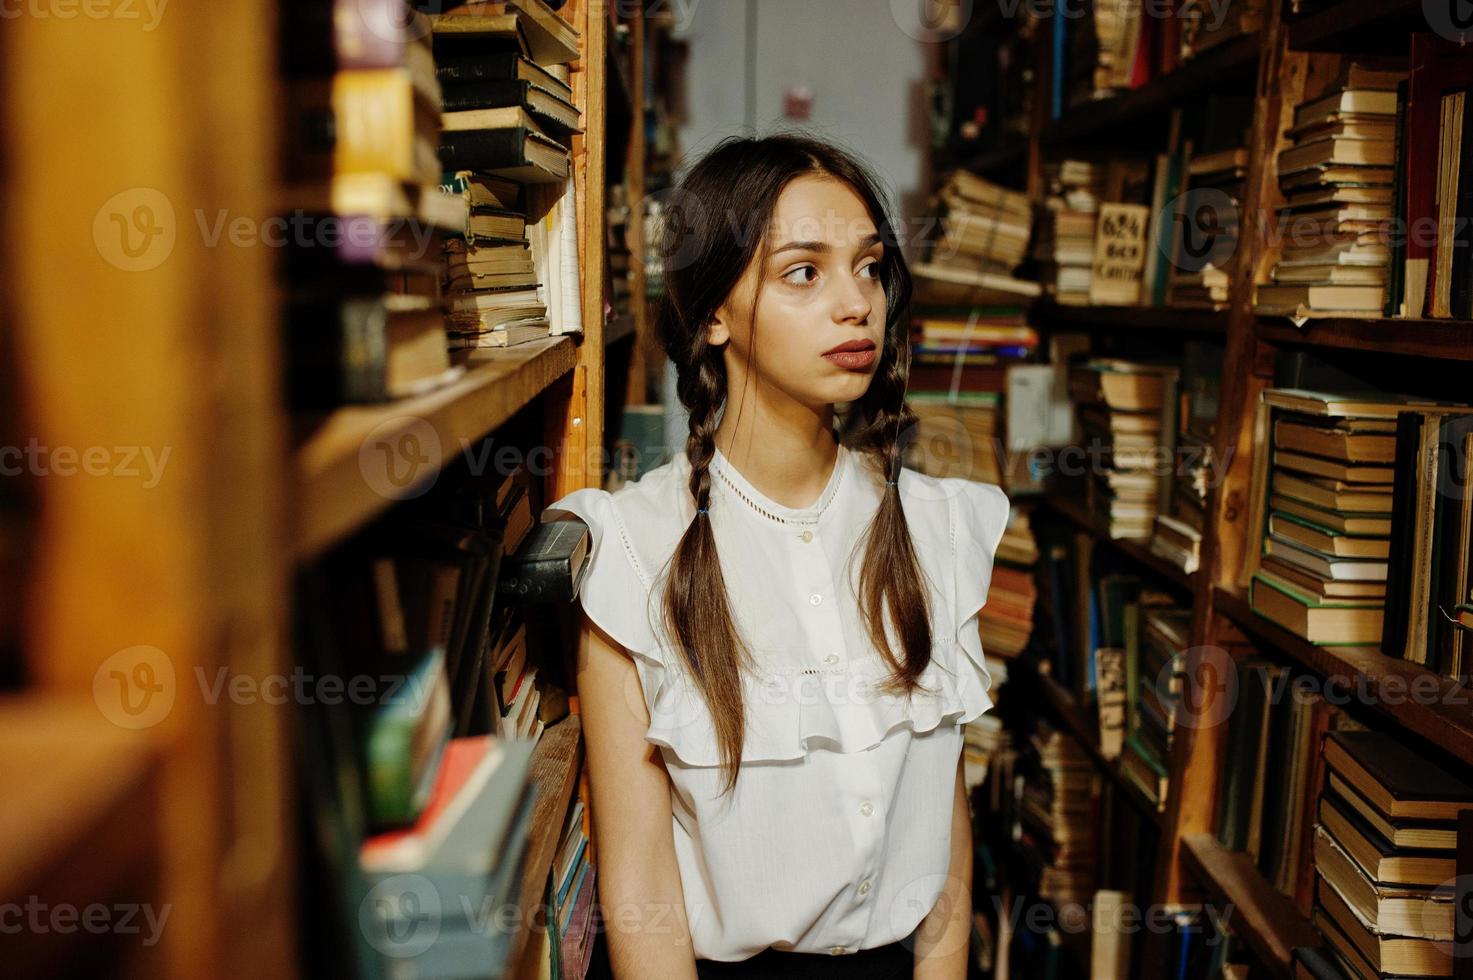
(854,360)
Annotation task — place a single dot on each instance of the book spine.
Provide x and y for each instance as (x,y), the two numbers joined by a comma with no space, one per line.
(1396,271)
(539,581)
(475,68)
(1461,287)
(484,95)
(483,149)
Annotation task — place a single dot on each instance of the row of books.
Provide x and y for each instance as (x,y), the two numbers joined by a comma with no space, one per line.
(1120,46)
(960,362)
(1128,415)
(436,594)
(1337,181)
(407,139)
(1362,503)
(985,230)
(508,118)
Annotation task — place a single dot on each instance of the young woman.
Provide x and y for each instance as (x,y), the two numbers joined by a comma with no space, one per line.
(780,640)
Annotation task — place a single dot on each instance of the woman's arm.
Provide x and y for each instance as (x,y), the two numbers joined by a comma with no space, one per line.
(944,940)
(638,879)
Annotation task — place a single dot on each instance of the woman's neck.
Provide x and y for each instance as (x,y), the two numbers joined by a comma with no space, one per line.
(789,462)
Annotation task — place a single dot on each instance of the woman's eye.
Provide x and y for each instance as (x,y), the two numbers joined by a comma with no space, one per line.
(803,275)
(871,271)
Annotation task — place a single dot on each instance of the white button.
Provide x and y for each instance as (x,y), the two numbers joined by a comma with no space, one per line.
(806,536)
(864,888)
(831,659)
(837,950)
(815,599)
(866,808)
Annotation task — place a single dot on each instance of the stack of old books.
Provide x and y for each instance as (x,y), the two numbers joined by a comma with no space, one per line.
(1363,511)
(508,116)
(1127,412)
(1006,622)
(1206,242)
(1065,245)
(364,315)
(1058,809)
(1326,494)
(1338,180)
(985,230)
(1385,847)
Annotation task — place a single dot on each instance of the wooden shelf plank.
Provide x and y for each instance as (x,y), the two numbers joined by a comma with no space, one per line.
(1265,918)
(81,825)
(554,774)
(1138,550)
(1443,339)
(342,475)
(1101,318)
(1434,707)
(1358,26)
(1111,120)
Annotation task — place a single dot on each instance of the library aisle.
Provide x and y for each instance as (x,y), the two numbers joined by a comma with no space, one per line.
(311,308)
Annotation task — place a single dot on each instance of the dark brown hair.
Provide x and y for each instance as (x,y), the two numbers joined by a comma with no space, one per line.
(721,214)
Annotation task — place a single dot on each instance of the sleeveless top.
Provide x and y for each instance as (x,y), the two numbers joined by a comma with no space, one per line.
(836,837)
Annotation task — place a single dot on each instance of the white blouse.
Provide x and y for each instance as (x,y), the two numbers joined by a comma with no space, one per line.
(837,835)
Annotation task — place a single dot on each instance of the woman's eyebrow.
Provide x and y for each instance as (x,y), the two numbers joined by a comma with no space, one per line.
(869,241)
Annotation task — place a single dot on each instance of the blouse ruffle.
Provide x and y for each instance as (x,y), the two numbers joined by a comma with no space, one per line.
(790,713)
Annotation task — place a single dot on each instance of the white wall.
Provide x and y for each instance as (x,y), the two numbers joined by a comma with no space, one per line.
(866,74)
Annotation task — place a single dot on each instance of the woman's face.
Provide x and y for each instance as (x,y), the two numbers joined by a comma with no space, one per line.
(818,288)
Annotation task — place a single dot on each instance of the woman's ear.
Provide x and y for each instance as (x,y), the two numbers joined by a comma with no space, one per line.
(717,332)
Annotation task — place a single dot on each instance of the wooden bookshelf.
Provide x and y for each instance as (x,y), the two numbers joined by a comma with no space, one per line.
(1438,338)
(1061,316)
(1442,715)
(1263,916)
(1137,550)
(342,460)
(1121,117)
(198,810)
(1358,25)
(554,776)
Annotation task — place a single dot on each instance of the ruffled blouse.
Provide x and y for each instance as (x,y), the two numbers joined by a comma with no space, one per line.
(836,837)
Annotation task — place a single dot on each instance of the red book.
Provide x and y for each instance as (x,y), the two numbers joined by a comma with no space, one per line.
(467,764)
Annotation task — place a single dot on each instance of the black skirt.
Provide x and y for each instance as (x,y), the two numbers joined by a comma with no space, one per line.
(893,961)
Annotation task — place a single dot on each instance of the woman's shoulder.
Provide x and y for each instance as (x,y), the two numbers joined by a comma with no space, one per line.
(952,512)
(647,515)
